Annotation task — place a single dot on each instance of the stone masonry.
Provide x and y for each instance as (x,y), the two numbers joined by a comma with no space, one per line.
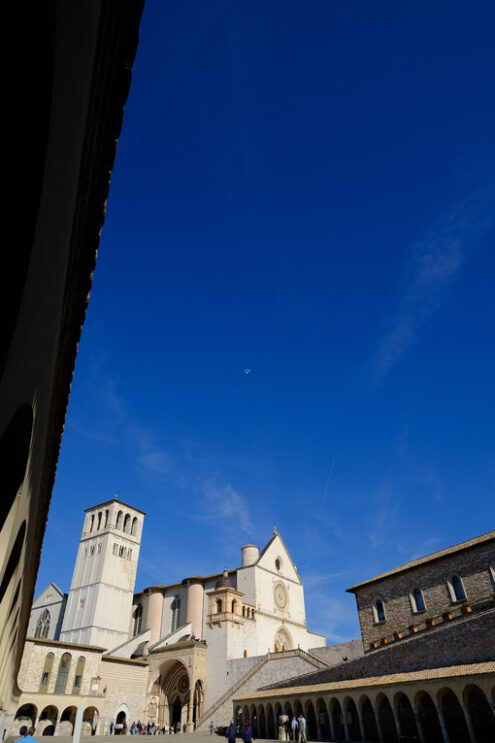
(474,565)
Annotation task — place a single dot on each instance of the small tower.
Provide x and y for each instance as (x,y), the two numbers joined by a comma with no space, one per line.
(102,589)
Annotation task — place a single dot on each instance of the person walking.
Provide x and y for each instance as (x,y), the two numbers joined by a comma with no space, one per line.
(231,732)
(248,731)
(212,727)
(302,729)
(294,727)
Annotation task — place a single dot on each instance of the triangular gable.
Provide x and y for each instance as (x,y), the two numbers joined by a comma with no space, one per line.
(277,549)
(52,594)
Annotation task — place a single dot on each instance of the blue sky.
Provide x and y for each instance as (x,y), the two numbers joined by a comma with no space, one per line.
(306,191)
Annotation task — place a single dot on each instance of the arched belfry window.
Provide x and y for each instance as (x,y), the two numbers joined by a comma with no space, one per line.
(106,518)
(47,669)
(98,525)
(175,618)
(134,526)
(137,618)
(63,673)
(92,522)
(379,611)
(43,625)
(118,523)
(79,675)
(417,600)
(456,588)
(127,522)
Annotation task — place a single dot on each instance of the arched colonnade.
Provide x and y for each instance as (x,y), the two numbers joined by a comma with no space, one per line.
(448,711)
(50,720)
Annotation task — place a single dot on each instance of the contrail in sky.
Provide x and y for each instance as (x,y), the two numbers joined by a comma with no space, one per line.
(324,497)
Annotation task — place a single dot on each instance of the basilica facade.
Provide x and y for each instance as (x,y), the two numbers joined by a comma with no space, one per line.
(173,655)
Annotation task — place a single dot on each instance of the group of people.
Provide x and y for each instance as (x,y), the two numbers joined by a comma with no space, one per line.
(138,728)
(298,729)
(249,731)
(296,733)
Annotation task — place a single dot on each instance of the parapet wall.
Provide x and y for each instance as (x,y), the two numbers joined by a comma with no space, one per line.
(469,641)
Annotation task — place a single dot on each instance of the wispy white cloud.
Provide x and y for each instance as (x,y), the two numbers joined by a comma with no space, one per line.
(435,263)
(152,459)
(226,507)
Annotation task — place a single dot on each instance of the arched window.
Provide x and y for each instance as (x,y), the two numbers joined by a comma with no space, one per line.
(106,518)
(137,618)
(234,604)
(456,589)
(219,606)
(79,675)
(174,624)
(378,611)
(43,625)
(134,526)
(47,669)
(118,523)
(417,600)
(98,525)
(63,673)
(282,641)
(92,522)
(127,522)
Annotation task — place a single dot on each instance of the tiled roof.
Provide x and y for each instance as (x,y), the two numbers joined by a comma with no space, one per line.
(428,558)
(474,669)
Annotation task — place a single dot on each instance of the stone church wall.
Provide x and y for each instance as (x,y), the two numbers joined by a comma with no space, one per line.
(274,670)
(127,685)
(473,567)
(56,609)
(33,663)
(336,654)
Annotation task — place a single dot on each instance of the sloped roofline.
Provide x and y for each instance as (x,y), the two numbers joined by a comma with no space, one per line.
(267,547)
(57,588)
(206,578)
(489,536)
(114,500)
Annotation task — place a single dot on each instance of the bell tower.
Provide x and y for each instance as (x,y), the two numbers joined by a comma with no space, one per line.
(100,599)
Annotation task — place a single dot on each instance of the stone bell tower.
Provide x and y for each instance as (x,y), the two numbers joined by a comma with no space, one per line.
(102,588)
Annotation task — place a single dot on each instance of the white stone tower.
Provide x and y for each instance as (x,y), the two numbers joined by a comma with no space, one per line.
(100,598)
